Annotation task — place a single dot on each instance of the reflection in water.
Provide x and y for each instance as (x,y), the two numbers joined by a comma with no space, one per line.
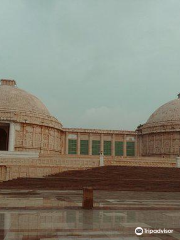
(88,219)
(17,225)
(45,217)
(2,225)
(131,216)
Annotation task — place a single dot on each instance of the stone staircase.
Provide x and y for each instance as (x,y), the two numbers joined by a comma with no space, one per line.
(30,167)
(122,178)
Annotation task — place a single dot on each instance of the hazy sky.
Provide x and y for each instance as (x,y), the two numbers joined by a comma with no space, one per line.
(94,63)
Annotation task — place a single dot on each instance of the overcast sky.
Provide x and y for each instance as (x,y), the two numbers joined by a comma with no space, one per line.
(94,63)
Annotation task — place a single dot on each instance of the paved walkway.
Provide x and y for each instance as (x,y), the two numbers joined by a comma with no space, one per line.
(56,215)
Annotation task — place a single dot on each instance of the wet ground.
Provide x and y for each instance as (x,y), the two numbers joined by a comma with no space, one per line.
(56,215)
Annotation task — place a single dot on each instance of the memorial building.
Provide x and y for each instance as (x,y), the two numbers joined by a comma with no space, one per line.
(34,143)
(160,135)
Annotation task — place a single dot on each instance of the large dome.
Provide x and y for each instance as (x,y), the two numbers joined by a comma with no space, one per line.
(20,106)
(13,99)
(169,112)
(159,136)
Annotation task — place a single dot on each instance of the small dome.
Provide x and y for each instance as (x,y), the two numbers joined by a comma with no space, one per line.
(13,99)
(168,112)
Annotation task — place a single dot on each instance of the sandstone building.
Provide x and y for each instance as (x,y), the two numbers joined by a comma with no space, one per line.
(160,135)
(34,143)
(27,126)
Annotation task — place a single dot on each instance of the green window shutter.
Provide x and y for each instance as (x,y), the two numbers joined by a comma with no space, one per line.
(107,148)
(130,149)
(72,146)
(84,147)
(118,148)
(95,147)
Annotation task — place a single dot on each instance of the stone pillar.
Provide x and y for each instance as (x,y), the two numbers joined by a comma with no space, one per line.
(34,136)
(139,137)
(66,145)
(88,198)
(141,145)
(101,159)
(171,146)
(124,146)
(113,145)
(24,135)
(102,144)
(90,144)
(11,137)
(162,146)
(42,140)
(78,144)
(54,146)
(154,147)
(136,146)
(48,146)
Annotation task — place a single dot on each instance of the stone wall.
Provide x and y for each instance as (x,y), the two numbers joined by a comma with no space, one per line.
(165,144)
(36,138)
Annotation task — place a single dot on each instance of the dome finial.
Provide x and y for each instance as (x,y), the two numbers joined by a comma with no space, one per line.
(178,95)
(8,82)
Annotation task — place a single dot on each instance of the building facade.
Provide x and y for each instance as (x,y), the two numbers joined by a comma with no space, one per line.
(27,126)
(92,142)
(34,143)
(160,135)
